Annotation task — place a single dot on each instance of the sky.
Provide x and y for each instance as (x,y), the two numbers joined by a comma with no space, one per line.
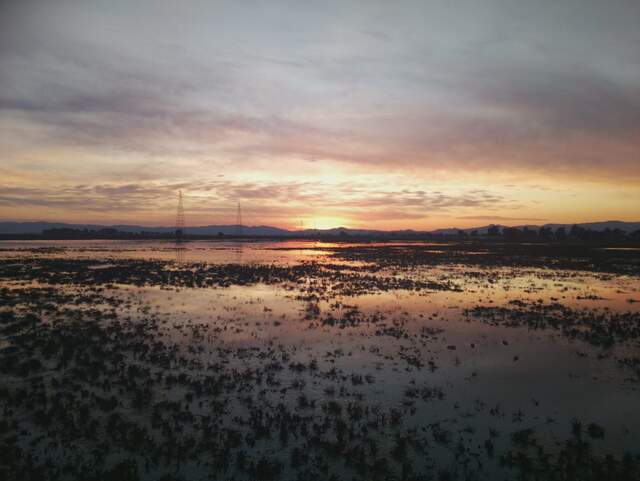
(365,114)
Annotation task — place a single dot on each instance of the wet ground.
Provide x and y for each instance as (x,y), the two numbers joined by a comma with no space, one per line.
(310,360)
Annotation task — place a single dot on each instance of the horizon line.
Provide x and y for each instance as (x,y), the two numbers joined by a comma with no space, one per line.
(339,227)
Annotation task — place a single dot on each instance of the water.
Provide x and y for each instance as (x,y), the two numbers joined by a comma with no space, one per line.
(486,353)
(220,252)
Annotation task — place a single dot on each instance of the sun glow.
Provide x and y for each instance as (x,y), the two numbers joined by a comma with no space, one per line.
(328,222)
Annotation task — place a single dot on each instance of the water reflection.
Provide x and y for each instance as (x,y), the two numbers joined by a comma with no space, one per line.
(179,250)
(213,251)
(238,250)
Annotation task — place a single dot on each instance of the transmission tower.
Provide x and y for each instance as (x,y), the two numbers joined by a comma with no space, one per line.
(239,221)
(179,217)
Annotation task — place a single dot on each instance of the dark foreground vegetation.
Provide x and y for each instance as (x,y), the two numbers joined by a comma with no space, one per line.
(598,257)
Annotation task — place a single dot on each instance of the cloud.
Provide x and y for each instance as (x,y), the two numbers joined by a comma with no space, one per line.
(279,201)
(556,128)
(289,103)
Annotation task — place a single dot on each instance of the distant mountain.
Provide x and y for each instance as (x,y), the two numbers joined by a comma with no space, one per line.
(259,230)
(338,231)
(263,230)
(38,227)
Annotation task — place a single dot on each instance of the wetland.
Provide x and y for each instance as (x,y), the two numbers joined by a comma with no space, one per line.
(298,360)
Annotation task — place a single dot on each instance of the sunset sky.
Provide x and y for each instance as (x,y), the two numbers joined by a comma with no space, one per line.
(385,114)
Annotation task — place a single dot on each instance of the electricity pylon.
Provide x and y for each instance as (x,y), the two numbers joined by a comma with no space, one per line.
(239,221)
(179,232)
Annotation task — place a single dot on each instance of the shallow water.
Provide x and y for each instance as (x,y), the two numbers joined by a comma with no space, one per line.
(437,372)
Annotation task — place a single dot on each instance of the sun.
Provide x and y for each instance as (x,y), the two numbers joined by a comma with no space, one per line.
(327,222)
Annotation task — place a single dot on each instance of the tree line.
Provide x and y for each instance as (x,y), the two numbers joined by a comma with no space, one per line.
(558,234)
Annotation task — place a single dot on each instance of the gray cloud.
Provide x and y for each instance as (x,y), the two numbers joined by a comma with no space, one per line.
(512,82)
